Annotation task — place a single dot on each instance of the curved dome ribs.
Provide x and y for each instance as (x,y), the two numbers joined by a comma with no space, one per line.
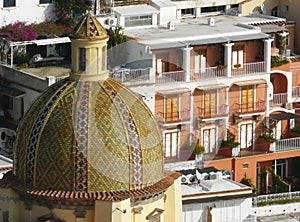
(81,120)
(135,151)
(25,130)
(89,136)
(39,141)
(148,134)
(55,165)
(108,165)
(32,146)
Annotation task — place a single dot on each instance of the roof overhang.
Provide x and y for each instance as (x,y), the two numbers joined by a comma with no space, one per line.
(250,82)
(51,41)
(11,92)
(208,41)
(173,91)
(132,10)
(211,87)
(284,116)
(271,28)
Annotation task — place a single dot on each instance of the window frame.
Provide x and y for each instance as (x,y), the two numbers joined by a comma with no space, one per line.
(42,2)
(82,59)
(172,150)
(8,4)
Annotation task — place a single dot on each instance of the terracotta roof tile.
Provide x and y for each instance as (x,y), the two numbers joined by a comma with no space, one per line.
(10,181)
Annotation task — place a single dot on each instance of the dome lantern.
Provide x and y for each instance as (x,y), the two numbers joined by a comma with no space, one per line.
(89,49)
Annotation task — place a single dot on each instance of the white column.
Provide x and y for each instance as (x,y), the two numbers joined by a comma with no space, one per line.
(267,54)
(227,58)
(186,64)
(198,12)
(153,70)
(192,115)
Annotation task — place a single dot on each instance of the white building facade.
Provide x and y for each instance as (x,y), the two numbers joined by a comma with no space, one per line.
(25,10)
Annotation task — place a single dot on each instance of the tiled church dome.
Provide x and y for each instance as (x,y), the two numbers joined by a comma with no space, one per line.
(88,136)
(88,133)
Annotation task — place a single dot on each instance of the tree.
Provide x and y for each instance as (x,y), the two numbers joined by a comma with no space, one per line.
(116,37)
(69,11)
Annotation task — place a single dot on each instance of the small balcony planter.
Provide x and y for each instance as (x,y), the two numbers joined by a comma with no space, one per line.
(221,67)
(198,151)
(237,66)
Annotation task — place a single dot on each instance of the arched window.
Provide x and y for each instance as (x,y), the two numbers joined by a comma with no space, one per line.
(275,11)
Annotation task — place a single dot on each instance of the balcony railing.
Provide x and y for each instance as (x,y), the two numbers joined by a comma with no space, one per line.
(278,99)
(255,107)
(275,197)
(219,111)
(131,77)
(167,77)
(248,68)
(287,144)
(208,73)
(173,117)
(296,92)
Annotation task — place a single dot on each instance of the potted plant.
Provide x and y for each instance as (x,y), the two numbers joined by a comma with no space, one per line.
(267,134)
(237,65)
(221,66)
(198,151)
(228,144)
(230,140)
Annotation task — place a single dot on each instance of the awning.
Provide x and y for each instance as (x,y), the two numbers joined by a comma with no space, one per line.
(225,39)
(51,41)
(11,92)
(173,91)
(250,82)
(271,28)
(284,116)
(210,87)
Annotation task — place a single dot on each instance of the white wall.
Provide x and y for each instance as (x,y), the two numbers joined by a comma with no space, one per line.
(25,10)
(271,210)
(226,211)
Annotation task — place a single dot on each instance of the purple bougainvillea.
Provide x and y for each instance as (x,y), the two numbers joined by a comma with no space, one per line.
(20,31)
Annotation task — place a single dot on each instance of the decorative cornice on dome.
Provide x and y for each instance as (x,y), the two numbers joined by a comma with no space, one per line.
(89,28)
(46,196)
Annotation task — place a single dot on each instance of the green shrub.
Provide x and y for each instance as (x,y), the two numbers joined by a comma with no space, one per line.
(277,61)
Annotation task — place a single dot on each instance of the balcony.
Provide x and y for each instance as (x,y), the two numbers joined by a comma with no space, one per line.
(173,117)
(279,99)
(287,144)
(248,108)
(296,91)
(167,77)
(220,111)
(130,77)
(208,73)
(248,68)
